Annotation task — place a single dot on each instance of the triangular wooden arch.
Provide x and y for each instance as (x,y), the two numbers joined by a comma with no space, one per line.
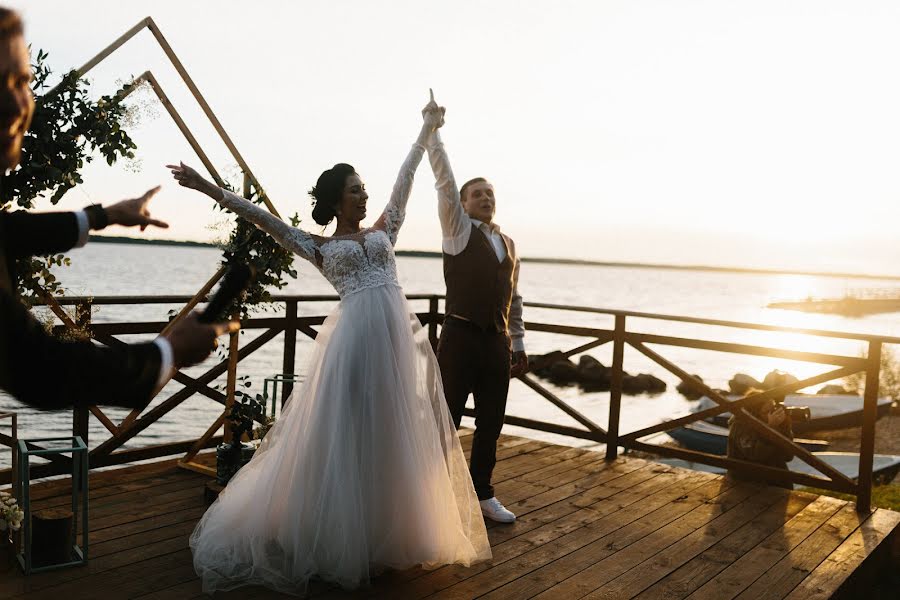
(130,426)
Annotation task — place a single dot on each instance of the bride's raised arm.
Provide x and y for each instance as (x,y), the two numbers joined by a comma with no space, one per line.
(395,211)
(294,239)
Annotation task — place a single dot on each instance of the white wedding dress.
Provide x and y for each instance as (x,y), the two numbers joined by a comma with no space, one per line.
(363,470)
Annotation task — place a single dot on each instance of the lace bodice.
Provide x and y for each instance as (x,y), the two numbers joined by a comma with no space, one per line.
(350,263)
(357,263)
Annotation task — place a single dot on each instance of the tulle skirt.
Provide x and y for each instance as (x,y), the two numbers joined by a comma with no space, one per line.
(363,470)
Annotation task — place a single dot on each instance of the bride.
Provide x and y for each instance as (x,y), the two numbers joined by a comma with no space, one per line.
(363,470)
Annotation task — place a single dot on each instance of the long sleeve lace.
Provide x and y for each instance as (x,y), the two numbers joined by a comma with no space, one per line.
(296,240)
(455,224)
(395,212)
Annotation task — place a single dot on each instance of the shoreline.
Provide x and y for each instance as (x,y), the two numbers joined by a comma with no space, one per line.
(845,307)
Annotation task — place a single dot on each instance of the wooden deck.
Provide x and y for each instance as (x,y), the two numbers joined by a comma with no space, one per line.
(586,529)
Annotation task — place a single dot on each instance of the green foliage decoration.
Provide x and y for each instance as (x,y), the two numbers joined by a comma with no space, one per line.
(67,129)
(242,416)
(250,245)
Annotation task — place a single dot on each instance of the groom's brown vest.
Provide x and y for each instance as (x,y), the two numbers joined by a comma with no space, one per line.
(480,287)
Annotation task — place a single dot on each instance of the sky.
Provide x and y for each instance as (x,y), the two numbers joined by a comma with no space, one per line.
(751,134)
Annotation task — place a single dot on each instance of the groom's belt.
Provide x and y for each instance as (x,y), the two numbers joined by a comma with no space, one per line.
(471,324)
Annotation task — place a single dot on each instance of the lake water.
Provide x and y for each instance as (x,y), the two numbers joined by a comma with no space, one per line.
(114,269)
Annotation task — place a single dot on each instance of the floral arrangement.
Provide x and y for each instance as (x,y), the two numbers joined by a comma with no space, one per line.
(10,514)
(242,416)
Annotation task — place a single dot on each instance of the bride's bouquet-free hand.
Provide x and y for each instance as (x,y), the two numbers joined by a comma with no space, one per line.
(10,514)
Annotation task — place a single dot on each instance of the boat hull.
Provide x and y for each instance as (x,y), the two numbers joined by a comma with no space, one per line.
(885,466)
(827,412)
(713,439)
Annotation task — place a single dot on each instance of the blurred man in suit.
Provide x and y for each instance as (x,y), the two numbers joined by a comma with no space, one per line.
(35,367)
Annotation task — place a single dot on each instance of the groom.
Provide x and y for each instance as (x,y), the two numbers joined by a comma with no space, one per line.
(482,341)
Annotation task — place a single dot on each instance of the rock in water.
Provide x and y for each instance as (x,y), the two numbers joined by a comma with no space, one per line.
(777,378)
(687,389)
(590,374)
(587,362)
(643,383)
(742,382)
(563,372)
(540,363)
(834,389)
(593,373)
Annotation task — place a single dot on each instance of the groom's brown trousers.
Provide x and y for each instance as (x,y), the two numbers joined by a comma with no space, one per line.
(476,361)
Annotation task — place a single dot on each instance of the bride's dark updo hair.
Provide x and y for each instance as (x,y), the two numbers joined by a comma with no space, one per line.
(327,192)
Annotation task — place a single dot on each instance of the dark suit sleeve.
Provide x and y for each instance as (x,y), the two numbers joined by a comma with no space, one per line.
(45,372)
(27,234)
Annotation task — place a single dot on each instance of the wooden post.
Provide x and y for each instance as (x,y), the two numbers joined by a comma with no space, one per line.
(615,390)
(232,377)
(80,421)
(867,443)
(81,412)
(433,322)
(290,349)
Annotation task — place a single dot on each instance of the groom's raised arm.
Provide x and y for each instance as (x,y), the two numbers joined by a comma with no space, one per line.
(455,224)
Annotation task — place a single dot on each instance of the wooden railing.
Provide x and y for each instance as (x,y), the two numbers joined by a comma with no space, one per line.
(847,365)
(110,452)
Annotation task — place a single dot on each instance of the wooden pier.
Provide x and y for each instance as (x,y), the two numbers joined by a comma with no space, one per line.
(592,524)
(587,528)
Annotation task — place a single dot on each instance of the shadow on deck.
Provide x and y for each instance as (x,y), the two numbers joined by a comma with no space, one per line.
(586,529)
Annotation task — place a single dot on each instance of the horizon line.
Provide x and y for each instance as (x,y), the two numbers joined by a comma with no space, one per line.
(552,260)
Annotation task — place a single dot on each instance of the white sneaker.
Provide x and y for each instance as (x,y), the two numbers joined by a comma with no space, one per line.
(493,510)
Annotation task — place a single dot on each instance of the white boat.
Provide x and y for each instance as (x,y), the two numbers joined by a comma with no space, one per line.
(827,411)
(713,439)
(884,466)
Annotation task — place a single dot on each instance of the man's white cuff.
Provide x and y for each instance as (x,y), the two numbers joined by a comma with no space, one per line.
(167,361)
(84,228)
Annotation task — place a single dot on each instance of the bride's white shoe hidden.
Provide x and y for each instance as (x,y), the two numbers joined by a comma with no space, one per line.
(493,510)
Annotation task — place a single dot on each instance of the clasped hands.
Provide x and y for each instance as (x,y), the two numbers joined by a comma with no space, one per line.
(432,113)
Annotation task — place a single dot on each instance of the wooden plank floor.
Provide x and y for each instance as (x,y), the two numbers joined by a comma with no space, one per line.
(586,529)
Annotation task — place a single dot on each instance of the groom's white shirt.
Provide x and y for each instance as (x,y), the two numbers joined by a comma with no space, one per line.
(456,226)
